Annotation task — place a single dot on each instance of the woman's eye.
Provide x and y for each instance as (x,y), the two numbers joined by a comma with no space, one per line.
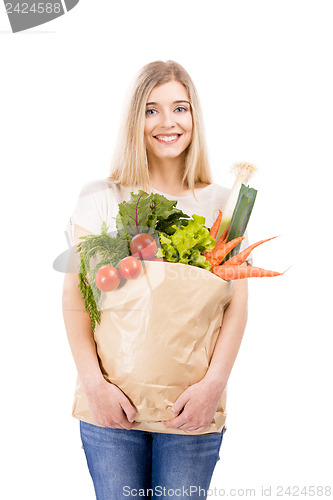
(150,111)
(180,109)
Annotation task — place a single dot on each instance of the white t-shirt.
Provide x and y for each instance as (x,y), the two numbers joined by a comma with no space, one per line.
(98,201)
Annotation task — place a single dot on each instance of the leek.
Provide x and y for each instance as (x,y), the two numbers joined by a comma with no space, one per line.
(240,216)
(244,172)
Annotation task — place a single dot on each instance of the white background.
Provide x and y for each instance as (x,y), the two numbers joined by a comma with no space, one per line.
(263,73)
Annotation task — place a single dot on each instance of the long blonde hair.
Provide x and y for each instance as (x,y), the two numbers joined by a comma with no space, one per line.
(130,162)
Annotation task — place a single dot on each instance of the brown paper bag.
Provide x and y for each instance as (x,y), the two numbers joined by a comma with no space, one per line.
(156,338)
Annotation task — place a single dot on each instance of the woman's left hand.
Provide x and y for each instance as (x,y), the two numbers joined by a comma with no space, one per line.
(199,404)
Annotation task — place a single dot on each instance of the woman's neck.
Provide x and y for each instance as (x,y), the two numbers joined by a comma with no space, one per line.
(166,174)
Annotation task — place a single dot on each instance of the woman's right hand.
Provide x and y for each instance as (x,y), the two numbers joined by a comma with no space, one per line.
(110,407)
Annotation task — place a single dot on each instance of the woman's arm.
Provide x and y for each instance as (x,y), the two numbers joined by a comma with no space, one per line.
(199,401)
(229,339)
(106,401)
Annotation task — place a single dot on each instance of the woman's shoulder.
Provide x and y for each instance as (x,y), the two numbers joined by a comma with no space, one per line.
(96,186)
(97,202)
(105,192)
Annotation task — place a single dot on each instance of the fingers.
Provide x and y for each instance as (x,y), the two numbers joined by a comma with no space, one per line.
(126,425)
(116,420)
(128,413)
(179,405)
(111,408)
(192,428)
(176,422)
(183,422)
(128,409)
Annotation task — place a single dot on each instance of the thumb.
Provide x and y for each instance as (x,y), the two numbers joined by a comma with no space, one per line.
(179,403)
(128,409)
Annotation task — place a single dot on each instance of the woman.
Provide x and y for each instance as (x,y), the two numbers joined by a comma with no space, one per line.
(161,149)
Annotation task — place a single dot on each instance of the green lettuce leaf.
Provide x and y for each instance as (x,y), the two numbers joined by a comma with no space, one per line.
(187,244)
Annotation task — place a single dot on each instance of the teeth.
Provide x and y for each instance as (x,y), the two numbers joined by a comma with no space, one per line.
(167,138)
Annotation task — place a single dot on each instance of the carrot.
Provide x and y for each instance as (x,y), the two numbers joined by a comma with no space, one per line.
(217,257)
(219,243)
(215,227)
(242,256)
(223,236)
(237,272)
(221,240)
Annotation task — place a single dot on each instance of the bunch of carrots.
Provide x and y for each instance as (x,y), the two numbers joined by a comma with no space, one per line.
(232,269)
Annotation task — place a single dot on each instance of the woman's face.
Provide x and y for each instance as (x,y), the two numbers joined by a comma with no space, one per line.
(168,122)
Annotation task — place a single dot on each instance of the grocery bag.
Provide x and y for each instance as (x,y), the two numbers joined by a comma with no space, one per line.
(156,337)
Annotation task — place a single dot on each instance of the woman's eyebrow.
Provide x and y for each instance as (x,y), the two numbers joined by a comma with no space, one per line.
(174,102)
(182,100)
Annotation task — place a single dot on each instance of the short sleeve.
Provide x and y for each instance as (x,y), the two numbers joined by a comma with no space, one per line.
(89,210)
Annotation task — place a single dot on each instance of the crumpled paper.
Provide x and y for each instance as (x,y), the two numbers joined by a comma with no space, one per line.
(156,338)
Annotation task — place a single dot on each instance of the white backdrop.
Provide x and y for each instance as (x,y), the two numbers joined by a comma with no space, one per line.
(263,72)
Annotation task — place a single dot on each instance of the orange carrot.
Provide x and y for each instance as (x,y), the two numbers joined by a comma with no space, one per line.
(221,239)
(215,227)
(217,257)
(242,256)
(218,243)
(224,235)
(237,272)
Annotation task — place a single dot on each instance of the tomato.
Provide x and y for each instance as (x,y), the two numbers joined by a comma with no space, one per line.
(107,278)
(130,268)
(143,246)
(159,259)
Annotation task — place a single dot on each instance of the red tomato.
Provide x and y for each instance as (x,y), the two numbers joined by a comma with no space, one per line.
(107,278)
(159,259)
(130,268)
(143,246)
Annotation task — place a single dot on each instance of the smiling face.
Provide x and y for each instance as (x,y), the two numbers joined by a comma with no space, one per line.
(168,122)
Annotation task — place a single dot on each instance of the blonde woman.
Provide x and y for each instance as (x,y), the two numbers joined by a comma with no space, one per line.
(161,149)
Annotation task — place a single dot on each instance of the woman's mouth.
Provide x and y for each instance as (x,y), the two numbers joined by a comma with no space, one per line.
(167,138)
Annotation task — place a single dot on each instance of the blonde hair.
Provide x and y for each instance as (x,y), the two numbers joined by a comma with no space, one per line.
(130,162)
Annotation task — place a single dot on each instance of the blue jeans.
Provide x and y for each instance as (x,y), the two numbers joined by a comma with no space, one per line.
(138,464)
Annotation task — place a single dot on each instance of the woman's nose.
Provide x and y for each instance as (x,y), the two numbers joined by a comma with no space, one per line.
(167,120)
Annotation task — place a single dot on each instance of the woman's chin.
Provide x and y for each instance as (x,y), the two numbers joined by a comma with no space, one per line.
(167,155)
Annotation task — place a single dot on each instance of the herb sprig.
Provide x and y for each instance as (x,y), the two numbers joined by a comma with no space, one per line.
(149,213)
(109,250)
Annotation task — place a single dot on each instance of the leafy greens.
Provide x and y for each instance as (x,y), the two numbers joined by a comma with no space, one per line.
(179,239)
(148,213)
(187,244)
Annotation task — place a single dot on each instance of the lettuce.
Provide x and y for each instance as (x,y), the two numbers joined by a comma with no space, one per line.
(187,243)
